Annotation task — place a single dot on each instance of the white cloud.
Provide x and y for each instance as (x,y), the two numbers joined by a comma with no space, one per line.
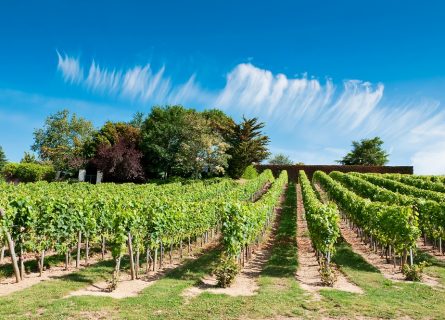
(70,68)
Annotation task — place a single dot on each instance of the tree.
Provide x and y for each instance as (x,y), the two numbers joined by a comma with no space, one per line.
(366,152)
(3,159)
(204,151)
(162,133)
(137,120)
(62,140)
(29,157)
(280,159)
(116,152)
(249,145)
(183,142)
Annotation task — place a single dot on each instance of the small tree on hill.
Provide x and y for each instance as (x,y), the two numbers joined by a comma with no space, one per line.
(368,152)
(3,159)
(280,159)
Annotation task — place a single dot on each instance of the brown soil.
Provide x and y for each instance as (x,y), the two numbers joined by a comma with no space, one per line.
(307,274)
(428,248)
(370,256)
(245,283)
(8,285)
(131,288)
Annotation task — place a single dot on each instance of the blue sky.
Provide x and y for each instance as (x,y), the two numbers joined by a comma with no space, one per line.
(319,73)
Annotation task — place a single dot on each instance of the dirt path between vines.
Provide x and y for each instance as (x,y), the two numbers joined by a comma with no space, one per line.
(131,288)
(307,274)
(8,285)
(246,282)
(374,259)
(427,248)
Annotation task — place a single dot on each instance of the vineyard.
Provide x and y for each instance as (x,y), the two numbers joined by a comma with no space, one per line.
(366,239)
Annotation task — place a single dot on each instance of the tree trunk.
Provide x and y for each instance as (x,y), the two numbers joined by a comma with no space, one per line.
(130,251)
(148,258)
(67,260)
(180,249)
(115,278)
(79,242)
(41,262)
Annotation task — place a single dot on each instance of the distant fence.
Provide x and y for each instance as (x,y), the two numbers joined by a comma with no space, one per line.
(292,170)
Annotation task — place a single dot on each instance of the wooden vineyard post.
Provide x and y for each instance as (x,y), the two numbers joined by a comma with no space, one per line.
(22,261)
(79,241)
(103,247)
(161,256)
(87,250)
(130,251)
(155,259)
(189,246)
(137,264)
(170,254)
(2,253)
(11,250)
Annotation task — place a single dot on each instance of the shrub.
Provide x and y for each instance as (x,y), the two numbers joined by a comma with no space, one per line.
(328,276)
(414,272)
(28,172)
(226,272)
(250,173)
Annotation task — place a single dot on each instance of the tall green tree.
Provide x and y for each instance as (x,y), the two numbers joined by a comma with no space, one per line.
(62,140)
(183,142)
(248,145)
(162,133)
(280,159)
(204,150)
(368,152)
(3,159)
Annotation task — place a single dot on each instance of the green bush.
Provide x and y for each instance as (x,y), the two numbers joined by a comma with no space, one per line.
(226,272)
(28,172)
(250,173)
(414,272)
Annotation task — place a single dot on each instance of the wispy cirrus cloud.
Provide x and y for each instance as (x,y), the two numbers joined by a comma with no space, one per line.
(322,115)
(70,68)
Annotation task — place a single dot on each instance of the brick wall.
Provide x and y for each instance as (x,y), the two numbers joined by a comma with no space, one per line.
(292,170)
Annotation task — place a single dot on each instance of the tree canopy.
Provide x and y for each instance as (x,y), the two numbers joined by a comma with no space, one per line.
(280,159)
(249,145)
(62,140)
(368,152)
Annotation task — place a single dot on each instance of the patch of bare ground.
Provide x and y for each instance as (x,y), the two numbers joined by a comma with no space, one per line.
(378,261)
(246,282)
(429,249)
(130,288)
(308,274)
(8,285)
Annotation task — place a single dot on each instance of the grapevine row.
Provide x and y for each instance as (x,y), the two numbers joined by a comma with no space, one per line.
(322,220)
(392,226)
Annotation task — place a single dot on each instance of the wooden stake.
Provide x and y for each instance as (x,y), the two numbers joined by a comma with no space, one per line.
(130,251)
(79,241)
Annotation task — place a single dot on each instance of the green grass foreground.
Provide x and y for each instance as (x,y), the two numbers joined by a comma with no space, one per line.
(279,294)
